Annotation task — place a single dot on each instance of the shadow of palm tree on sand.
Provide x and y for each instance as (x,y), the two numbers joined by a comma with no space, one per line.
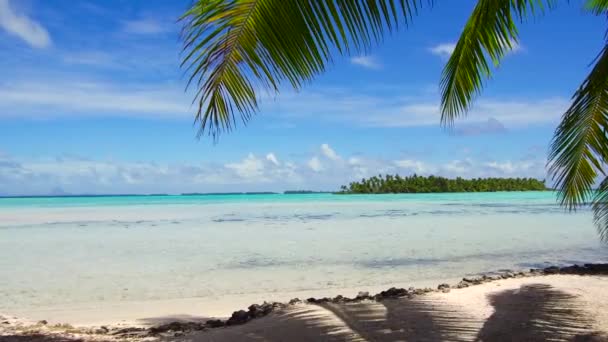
(531,313)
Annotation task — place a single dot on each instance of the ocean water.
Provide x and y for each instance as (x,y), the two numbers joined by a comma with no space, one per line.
(56,251)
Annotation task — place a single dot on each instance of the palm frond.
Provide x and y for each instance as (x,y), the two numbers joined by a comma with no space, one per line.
(600,210)
(233,49)
(580,145)
(597,6)
(488,35)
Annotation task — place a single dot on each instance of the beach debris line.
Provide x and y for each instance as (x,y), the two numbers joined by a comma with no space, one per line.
(256,311)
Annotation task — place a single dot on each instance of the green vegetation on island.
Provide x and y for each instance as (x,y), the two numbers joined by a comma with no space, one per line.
(421,184)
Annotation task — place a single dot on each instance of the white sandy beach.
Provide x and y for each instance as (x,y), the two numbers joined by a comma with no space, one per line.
(554,307)
(144,313)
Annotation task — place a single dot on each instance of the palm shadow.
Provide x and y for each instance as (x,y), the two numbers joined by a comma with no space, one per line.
(537,312)
(418,319)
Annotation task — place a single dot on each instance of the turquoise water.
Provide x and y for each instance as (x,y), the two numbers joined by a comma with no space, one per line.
(535,196)
(67,250)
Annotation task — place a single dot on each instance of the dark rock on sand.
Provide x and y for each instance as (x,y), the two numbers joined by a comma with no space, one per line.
(215,323)
(256,311)
(551,270)
(130,332)
(338,299)
(362,295)
(177,327)
(394,293)
(313,300)
(597,268)
(419,292)
(238,317)
(443,286)
(473,280)
(102,330)
(574,269)
(295,301)
(462,284)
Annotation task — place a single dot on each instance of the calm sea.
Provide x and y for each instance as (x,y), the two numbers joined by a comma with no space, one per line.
(57,251)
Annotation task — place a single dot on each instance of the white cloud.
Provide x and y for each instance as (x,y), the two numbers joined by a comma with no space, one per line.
(491,126)
(23,27)
(250,167)
(394,109)
(510,113)
(516,47)
(368,62)
(92,58)
(69,96)
(511,168)
(251,173)
(414,166)
(315,164)
(60,98)
(329,153)
(443,50)
(272,158)
(146,26)
(354,161)
(458,167)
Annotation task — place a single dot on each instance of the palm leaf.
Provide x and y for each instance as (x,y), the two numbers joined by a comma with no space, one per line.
(600,210)
(597,6)
(233,49)
(487,36)
(580,146)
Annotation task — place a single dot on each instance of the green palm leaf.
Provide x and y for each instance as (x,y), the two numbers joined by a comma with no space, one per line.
(580,146)
(488,35)
(600,210)
(233,49)
(597,6)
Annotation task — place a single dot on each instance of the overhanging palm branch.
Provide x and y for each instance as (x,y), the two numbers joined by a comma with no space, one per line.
(580,146)
(233,49)
(487,36)
(597,6)
(600,210)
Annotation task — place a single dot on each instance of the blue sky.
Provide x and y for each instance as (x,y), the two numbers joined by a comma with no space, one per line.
(92,100)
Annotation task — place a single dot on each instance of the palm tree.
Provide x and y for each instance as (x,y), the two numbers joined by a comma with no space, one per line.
(233,49)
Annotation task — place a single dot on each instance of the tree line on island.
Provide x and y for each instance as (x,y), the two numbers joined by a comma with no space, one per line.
(420,184)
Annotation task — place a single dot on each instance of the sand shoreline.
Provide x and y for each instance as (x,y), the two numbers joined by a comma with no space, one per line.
(114,328)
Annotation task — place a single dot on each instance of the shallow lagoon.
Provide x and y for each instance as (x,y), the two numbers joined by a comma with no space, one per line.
(56,251)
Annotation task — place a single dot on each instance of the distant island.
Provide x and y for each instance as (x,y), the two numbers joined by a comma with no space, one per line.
(420,184)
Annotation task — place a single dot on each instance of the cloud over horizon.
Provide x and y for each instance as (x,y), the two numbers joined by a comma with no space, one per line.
(323,170)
